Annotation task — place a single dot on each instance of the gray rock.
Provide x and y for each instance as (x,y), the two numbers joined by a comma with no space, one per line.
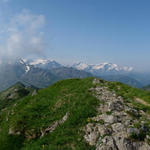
(127,122)
(133,131)
(108,143)
(115,130)
(116,105)
(133,112)
(104,130)
(118,127)
(96,81)
(34,93)
(110,119)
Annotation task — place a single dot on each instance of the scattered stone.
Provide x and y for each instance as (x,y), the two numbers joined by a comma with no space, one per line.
(116,105)
(112,131)
(12,131)
(34,93)
(131,131)
(104,130)
(96,81)
(132,112)
(53,126)
(118,127)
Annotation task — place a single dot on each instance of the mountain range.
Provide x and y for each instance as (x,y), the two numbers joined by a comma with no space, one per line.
(38,75)
(103,68)
(43,72)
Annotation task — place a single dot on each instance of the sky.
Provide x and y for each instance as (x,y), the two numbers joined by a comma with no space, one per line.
(69,31)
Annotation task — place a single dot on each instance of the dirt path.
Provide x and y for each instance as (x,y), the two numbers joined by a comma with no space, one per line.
(142,101)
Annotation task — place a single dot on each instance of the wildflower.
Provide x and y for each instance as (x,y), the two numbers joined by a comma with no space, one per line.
(88,119)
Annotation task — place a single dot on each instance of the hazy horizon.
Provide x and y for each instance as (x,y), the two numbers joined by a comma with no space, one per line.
(72,31)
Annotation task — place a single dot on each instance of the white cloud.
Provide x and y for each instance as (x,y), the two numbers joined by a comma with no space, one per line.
(23,36)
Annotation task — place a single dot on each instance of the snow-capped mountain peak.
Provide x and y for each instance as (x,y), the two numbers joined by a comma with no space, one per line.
(96,69)
(39,61)
(102,68)
(44,63)
(80,66)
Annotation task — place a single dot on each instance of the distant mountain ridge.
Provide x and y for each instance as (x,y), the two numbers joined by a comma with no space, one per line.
(37,74)
(43,63)
(103,68)
(147,88)
(107,71)
(44,72)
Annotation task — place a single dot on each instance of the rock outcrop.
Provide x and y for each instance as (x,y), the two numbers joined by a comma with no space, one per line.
(118,125)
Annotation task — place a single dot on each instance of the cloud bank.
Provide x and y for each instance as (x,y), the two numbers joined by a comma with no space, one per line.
(23,36)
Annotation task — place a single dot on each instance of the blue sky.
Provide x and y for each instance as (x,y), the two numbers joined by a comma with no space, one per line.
(68,31)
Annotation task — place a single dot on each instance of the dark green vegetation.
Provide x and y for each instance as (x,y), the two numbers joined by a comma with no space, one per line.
(23,121)
(14,93)
(31,115)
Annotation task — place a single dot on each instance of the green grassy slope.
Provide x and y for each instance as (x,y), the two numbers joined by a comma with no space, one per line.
(14,93)
(33,114)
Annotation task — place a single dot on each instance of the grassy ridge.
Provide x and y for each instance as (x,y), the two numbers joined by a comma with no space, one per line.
(32,114)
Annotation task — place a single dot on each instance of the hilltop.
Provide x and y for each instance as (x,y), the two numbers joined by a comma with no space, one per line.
(15,92)
(78,114)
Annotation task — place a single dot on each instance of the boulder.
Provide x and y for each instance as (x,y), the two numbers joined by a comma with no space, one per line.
(118,127)
(115,106)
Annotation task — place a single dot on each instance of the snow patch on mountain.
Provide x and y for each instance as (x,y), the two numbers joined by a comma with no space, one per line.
(39,61)
(43,63)
(80,66)
(27,69)
(102,67)
(96,69)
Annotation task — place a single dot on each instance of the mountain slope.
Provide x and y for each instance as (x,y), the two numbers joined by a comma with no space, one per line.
(33,115)
(39,77)
(123,79)
(66,73)
(10,73)
(14,93)
(108,71)
(147,88)
(40,73)
(78,114)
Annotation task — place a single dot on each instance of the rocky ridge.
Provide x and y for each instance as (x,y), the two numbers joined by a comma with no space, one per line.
(118,125)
